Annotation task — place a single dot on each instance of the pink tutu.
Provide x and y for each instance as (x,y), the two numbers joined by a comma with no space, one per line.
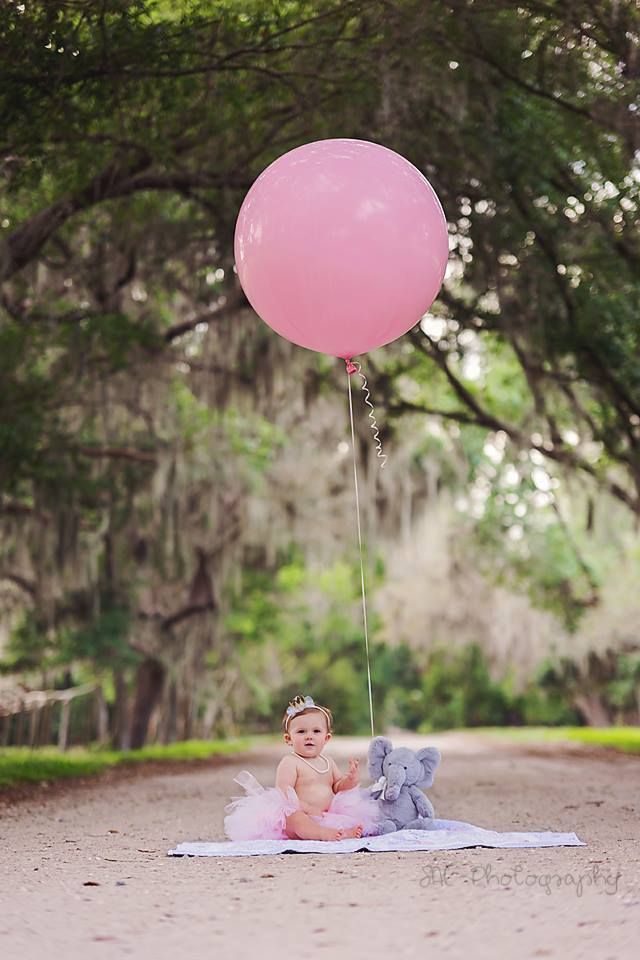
(262,813)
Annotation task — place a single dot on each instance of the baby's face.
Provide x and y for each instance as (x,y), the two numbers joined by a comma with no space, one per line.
(308,734)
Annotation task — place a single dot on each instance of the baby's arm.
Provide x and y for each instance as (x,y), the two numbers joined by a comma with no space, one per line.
(350,779)
(287,776)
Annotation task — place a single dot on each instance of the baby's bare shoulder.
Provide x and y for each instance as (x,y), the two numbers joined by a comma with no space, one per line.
(288,763)
(287,772)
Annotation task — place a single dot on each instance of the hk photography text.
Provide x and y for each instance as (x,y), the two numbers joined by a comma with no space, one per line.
(487,877)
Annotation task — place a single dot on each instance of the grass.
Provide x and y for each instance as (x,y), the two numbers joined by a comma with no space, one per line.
(621,738)
(22,765)
(626,739)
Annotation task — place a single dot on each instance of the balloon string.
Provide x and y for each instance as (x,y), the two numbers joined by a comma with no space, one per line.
(364,599)
(355,368)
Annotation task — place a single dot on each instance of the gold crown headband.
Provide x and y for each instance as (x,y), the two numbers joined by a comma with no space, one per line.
(298,704)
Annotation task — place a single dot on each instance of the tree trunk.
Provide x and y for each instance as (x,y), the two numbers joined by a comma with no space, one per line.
(149,683)
(102,717)
(120,733)
(34,719)
(187,711)
(47,718)
(63,730)
(592,710)
(170,734)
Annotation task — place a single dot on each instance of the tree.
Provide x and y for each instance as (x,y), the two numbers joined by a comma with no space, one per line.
(132,129)
(543,207)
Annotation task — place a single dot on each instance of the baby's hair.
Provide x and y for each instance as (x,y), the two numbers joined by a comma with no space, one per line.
(287,718)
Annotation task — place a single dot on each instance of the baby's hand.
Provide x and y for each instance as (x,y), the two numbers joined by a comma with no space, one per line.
(352,778)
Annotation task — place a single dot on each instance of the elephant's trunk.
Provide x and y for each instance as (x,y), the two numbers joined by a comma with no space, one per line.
(395,779)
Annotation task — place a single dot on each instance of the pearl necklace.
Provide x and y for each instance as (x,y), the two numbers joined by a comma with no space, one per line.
(308,762)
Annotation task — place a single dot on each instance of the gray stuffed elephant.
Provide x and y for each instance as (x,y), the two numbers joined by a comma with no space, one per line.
(400,773)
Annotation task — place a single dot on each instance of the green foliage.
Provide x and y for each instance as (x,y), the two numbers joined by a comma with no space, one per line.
(254,438)
(396,685)
(43,363)
(502,389)
(19,765)
(103,641)
(28,647)
(612,678)
(625,738)
(22,765)
(254,614)
(26,395)
(521,540)
(99,641)
(194,418)
(538,705)
(623,691)
(457,691)
(121,187)
(312,623)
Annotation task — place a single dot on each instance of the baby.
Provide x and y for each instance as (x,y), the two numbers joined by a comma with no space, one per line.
(311,799)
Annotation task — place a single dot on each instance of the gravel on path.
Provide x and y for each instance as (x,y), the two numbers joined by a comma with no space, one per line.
(84,872)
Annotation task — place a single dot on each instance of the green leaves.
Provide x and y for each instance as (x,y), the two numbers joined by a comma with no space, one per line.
(44,364)
(103,641)
(131,132)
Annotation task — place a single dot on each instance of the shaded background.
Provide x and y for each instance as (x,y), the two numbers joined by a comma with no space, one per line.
(177,531)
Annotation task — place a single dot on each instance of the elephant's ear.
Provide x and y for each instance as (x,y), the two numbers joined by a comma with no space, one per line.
(378,749)
(429,758)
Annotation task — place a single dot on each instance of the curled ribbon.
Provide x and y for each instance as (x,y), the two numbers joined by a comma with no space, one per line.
(355,368)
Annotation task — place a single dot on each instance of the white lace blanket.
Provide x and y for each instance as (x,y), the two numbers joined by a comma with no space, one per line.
(445,835)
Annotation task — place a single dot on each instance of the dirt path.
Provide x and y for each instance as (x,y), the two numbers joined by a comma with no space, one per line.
(468,903)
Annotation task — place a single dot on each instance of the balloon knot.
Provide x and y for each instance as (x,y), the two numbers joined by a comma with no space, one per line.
(351,367)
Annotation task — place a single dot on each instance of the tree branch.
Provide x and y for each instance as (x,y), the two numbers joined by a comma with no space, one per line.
(27,240)
(27,585)
(482,418)
(235,302)
(17,509)
(186,613)
(118,453)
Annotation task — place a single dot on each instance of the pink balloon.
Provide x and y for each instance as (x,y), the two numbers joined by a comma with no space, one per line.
(341,246)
